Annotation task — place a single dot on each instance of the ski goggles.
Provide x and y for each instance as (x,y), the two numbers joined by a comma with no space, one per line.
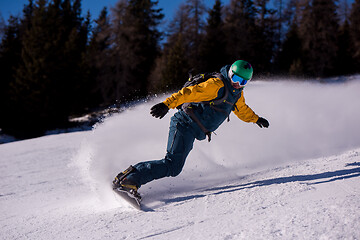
(236,79)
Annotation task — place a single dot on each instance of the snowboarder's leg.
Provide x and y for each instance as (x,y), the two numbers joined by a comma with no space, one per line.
(180,143)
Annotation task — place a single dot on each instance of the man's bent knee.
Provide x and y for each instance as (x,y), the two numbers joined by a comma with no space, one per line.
(174,167)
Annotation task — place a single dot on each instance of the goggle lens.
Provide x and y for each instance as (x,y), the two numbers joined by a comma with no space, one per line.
(235,78)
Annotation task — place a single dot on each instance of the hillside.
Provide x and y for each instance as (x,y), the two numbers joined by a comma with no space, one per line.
(299,179)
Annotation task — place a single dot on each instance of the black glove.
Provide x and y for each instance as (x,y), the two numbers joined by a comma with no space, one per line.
(159,110)
(262,122)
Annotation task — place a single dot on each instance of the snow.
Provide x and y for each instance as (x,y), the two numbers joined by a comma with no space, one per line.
(299,179)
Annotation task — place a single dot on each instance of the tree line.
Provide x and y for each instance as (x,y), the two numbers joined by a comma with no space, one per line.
(56,63)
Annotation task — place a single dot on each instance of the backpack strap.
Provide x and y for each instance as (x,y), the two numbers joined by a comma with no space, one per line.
(226,91)
(187,108)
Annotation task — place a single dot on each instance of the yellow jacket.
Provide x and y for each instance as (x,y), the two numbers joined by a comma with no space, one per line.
(207,91)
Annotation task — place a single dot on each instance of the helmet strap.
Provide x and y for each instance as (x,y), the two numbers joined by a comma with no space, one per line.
(230,74)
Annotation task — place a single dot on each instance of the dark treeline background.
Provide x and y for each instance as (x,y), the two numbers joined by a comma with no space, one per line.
(56,63)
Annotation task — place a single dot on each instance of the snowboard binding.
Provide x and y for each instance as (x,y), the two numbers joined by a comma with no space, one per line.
(121,184)
(121,176)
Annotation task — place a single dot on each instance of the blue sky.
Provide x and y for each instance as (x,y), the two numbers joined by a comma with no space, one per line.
(14,7)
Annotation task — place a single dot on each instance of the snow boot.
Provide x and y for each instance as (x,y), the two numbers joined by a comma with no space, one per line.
(123,184)
(121,176)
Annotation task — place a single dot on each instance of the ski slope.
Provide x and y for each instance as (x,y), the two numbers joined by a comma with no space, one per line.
(299,179)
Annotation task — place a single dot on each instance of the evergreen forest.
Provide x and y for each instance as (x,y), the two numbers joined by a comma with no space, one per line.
(57,61)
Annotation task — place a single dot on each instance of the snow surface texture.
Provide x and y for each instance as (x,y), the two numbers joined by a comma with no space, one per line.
(299,179)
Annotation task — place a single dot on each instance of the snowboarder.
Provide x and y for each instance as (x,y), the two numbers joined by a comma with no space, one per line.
(196,120)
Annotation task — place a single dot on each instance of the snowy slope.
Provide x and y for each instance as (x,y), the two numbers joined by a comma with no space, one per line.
(299,179)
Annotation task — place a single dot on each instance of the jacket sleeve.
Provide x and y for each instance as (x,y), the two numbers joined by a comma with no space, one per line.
(244,112)
(204,91)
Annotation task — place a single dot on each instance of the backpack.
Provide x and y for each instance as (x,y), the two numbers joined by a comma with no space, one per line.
(197,79)
(203,77)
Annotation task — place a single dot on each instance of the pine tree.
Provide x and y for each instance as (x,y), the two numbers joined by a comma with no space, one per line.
(266,36)
(87,93)
(49,77)
(290,54)
(2,26)
(100,62)
(172,65)
(290,13)
(280,19)
(135,45)
(10,55)
(241,31)
(355,31)
(196,10)
(182,49)
(189,24)
(344,61)
(318,31)
(343,11)
(176,66)
(263,11)
(213,46)
(179,25)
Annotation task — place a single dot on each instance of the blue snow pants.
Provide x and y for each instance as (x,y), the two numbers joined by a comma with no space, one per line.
(180,142)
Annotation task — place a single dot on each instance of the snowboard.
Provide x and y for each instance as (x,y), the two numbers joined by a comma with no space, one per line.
(130,198)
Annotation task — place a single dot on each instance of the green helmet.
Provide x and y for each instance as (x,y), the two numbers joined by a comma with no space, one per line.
(242,69)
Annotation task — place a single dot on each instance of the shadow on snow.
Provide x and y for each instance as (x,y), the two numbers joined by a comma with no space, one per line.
(305,179)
